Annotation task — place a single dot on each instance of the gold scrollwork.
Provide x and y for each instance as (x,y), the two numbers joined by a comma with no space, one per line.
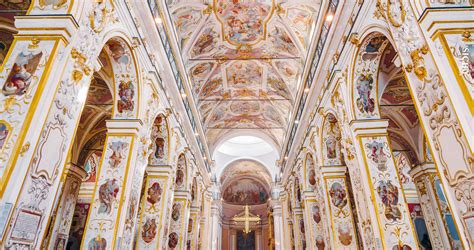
(100,15)
(80,63)
(354,38)
(418,65)
(392,17)
(34,43)
(25,148)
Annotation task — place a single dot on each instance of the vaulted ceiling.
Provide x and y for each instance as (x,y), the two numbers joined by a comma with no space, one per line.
(244,59)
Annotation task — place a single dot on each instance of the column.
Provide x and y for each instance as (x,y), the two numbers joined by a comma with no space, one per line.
(205,234)
(437,214)
(215,225)
(233,238)
(278,226)
(344,233)
(62,217)
(392,223)
(258,239)
(286,217)
(154,206)
(111,190)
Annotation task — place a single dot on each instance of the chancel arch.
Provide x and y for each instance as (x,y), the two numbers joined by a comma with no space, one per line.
(245,182)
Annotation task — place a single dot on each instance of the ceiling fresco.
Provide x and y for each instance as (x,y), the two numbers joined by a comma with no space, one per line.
(244,59)
(245,182)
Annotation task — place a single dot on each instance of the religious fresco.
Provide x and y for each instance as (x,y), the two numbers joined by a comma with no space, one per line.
(22,74)
(99,92)
(245,168)
(396,92)
(310,170)
(92,165)
(151,214)
(186,21)
(403,165)
(341,213)
(4,132)
(20,81)
(160,139)
(126,97)
(246,192)
(331,145)
(180,180)
(148,232)
(389,198)
(244,22)
(247,51)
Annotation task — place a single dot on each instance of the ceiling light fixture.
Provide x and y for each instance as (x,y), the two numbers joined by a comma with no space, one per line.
(158,20)
(329,18)
(306,90)
(296,121)
(286,157)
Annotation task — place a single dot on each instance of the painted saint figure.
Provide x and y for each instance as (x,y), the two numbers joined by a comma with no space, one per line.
(365,102)
(21,75)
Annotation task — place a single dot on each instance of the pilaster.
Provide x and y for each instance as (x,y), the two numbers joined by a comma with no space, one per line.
(154,206)
(216,223)
(112,188)
(343,228)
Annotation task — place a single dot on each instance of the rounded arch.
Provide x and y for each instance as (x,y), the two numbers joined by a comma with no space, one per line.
(236,133)
(330,144)
(364,72)
(116,45)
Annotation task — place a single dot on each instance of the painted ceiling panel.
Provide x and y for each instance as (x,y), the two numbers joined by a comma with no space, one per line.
(244,59)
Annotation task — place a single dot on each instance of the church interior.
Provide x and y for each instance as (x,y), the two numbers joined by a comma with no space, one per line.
(236,124)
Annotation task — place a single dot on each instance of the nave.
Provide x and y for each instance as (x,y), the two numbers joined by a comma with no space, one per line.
(236,125)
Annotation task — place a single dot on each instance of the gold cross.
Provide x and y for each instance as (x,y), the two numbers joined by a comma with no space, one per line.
(246,218)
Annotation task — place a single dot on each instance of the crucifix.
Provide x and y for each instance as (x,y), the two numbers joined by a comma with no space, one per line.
(246,218)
